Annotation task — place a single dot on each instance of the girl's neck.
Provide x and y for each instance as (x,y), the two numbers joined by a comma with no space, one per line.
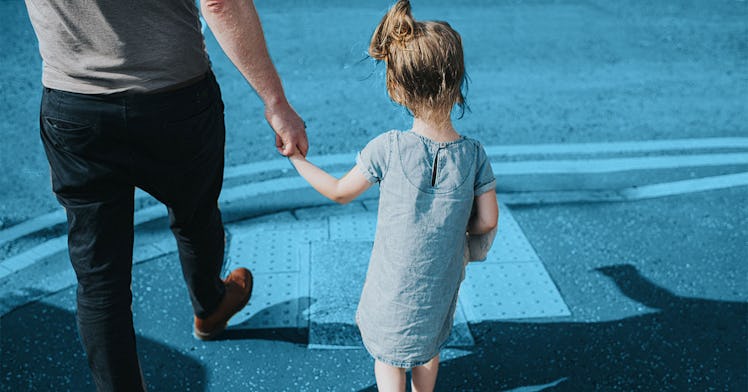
(438,129)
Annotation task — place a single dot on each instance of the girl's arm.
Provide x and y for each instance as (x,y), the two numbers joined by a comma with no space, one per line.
(338,190)
(485,214)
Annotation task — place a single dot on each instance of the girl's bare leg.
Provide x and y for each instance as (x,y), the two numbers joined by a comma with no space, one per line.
(389,378)
(424,376)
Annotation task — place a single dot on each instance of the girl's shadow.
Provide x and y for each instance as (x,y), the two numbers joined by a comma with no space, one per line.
(684,344)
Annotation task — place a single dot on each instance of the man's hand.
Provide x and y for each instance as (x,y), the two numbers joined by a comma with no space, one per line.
(290,132)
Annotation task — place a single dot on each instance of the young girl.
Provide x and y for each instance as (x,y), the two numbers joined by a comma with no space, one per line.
(431,178)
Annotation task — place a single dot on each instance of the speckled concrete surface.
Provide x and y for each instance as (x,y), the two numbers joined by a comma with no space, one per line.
(658,309)
(657,289)
(541,71)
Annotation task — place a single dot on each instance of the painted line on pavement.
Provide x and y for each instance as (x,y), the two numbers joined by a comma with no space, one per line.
(44,285)
(271,187)
(619,147)
(58,217)
(635,193)
(529,167)
(591,166)
(685,186)
(518,150)
(613,165)
(31,225)
(33,255)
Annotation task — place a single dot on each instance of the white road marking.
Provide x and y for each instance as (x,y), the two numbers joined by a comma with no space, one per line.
(267,188)
(685,186)
(617,164)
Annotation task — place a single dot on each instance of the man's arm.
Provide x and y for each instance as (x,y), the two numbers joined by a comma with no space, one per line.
(238,30)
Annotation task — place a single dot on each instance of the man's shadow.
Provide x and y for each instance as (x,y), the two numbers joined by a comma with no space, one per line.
(254,329)
(41,351)
(685,344)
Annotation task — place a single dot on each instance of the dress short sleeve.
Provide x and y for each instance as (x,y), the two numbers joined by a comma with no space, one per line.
(374,158)
(484,178)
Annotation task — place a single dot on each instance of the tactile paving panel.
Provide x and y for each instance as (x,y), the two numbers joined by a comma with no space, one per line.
(510,291)
(338,270)
(269,251)
(355,227)
(510,245)
(278,222)
(294,289)
(277,253)
(276,303)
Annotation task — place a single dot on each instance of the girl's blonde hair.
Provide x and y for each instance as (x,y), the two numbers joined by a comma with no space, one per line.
(425,65)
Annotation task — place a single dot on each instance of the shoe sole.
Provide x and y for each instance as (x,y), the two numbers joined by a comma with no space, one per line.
(208,335)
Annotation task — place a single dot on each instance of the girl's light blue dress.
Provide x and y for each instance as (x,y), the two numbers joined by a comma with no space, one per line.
(426,194)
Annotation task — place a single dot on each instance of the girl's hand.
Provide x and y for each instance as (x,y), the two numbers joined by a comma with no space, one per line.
(296,156)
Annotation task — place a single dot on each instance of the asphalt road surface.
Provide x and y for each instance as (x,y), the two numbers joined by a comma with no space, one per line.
(652,263)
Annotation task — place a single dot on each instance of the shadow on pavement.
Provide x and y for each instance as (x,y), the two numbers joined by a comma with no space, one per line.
(248,329)
(686,344)
(335,335)
(290,335)
(41,351)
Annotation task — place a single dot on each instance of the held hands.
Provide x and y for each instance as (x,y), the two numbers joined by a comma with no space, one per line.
(290,131)
(296,156)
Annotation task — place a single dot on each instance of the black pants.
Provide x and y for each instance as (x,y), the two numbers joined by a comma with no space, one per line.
(100,148)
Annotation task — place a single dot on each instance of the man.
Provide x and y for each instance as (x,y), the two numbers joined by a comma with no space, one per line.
(129,100)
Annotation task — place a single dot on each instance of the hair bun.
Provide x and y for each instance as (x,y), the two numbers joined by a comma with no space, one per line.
(401,28)
(396,27)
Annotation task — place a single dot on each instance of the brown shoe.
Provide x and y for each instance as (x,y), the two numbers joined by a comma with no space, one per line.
(238,290)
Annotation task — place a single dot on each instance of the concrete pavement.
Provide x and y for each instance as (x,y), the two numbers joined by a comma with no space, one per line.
(528,174)
(309,264)
(541,72)
(618,133)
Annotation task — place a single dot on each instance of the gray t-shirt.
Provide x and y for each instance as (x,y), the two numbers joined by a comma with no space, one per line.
(112,46)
